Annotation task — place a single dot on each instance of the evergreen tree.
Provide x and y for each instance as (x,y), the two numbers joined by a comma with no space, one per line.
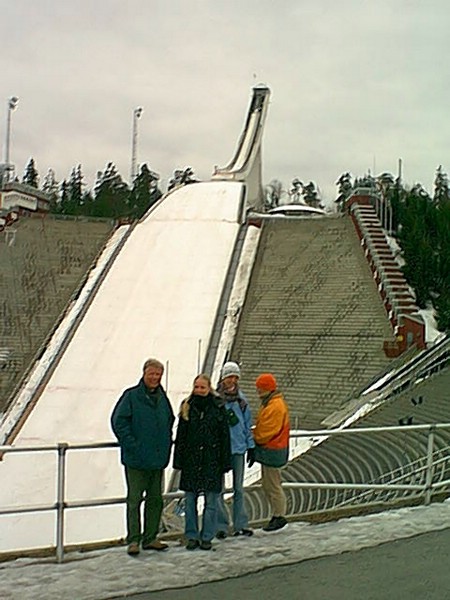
(442,306)
(441,189)
(63,206)
(345,186)
(175,180)
(75,192)
(145,192)
(188,176)
(273,193)
(384,182)
(310,195)
(295,192)
(110,194)
(88,204)
(385,186)
(367,181)
(181,177)
(417,239)
(50,187)
(31,175)
(442,287)
(396,197)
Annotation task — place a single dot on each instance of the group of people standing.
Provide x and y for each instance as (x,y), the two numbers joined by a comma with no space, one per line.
(214,435)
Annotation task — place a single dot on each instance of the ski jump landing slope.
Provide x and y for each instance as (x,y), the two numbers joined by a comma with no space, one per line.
(159,299)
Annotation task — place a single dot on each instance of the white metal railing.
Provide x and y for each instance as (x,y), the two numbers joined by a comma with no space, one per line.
(62,504)
(394,380)
(427,464)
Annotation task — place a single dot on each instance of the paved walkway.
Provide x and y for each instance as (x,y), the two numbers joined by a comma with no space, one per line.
(410,569)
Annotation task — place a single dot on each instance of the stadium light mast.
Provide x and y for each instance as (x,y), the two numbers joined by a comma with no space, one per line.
(137,112)
(12,105)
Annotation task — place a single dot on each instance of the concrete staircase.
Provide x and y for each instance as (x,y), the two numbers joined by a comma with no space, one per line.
(43,260)
(312,316)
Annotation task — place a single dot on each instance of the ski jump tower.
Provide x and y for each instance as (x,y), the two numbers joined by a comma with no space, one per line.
(245,166)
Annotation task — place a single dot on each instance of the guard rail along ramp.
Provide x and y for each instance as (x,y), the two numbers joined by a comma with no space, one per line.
(245,166)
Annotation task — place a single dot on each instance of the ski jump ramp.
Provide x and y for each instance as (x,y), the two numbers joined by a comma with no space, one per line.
(158,299)
(246,164)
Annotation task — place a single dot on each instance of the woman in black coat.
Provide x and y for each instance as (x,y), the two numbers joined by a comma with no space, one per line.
(203,454)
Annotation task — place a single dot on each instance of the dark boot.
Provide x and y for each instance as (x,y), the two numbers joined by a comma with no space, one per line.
(246,532)
(205,545)
(275,524)
(192,544)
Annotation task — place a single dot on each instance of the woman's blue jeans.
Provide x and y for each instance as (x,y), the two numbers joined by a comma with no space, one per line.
(240,519)
(209,520)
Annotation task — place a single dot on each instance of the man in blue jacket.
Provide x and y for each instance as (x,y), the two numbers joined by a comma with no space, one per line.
(142,421)
(242,443)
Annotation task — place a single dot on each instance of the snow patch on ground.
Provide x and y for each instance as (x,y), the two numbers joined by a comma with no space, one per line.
(107,573)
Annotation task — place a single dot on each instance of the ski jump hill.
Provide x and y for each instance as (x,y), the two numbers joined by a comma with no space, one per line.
(193,284)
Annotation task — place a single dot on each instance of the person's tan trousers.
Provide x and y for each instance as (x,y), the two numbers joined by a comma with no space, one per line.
(271,484)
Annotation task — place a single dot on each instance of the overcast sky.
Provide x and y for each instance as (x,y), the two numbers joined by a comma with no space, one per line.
(356,84)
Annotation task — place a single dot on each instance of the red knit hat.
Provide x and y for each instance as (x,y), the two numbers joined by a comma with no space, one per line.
(266,382)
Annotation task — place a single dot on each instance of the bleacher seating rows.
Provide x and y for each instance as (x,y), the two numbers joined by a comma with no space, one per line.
(312,316)
(43,260)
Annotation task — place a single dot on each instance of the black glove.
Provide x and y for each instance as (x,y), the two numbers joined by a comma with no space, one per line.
(250,457)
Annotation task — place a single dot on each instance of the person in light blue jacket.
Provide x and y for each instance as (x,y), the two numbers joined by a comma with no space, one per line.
(242,446)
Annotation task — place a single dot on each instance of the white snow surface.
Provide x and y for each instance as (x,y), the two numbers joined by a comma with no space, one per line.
(432,334)
(105,574)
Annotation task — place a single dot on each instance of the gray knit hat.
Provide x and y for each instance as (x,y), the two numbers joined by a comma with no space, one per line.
(230,368)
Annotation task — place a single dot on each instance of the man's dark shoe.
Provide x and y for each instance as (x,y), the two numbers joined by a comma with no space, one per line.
(246,532)
(205,545)
(192,544)
(221,535)
(133,549)
(155,545)
(270,523)
(275,524)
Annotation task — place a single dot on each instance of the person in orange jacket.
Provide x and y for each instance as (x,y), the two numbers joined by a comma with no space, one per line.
(271,435)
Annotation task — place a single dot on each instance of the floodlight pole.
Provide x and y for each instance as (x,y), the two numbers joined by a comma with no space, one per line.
(12,105)
(137,112)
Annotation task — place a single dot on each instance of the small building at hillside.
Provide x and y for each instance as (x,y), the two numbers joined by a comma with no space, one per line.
(20,196)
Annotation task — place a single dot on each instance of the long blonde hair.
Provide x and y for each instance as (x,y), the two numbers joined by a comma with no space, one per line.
(184,407)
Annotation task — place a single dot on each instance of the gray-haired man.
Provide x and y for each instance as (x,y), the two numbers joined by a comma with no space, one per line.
(142,421)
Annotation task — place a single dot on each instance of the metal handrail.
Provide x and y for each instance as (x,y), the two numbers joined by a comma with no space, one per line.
(436,357)
(62,504)
(416,467)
